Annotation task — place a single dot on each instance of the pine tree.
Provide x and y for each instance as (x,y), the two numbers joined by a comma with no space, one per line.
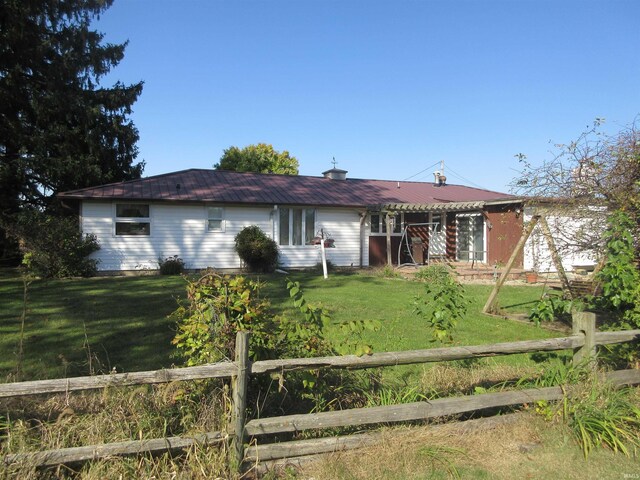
(59,128)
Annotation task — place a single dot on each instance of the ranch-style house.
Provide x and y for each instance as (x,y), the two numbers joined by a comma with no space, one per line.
(196,213)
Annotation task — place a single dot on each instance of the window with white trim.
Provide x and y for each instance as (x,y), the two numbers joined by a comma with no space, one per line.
(132,219)
(215,219)
(470,237)
(379,223)
(296,226)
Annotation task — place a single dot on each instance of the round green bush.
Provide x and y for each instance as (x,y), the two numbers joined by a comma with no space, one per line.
(257,250)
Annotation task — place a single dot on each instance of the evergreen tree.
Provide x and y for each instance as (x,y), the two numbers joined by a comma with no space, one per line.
(60,129)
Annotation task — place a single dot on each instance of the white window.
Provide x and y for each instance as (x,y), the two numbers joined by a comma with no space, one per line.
(132,219)
(379,223)
(296,226)
(470,244)
(215,219)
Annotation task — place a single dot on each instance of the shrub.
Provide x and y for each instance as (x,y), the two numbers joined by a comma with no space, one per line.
(433,273)
(54,247)
(443,303)
(553,307)
(619,275)
(219,306)
(620,280)
(256,249)
(386,272)
(171,265)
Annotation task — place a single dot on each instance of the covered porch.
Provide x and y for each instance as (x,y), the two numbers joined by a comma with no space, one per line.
(474,233)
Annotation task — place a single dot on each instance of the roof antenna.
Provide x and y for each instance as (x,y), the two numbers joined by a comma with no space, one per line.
(334,162)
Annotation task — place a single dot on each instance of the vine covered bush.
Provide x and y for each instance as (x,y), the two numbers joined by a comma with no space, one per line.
(219,306)
(256,249)
(620,297)
(620,282)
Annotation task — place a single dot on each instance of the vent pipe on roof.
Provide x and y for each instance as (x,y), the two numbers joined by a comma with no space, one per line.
(440,180)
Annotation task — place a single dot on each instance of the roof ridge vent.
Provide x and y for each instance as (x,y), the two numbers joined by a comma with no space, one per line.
(335,174)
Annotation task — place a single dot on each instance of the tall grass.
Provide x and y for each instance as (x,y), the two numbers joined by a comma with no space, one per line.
(113,415)
(601,416)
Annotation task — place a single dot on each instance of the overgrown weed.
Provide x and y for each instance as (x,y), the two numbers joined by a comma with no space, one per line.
(114,415)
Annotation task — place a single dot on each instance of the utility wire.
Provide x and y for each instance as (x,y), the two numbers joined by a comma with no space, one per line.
(455,174)
(421,171)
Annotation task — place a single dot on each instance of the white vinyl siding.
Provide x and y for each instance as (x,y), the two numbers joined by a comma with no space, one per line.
(177,230)
(183,230)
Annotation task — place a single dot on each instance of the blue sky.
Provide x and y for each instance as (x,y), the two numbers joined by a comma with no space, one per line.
(388,88)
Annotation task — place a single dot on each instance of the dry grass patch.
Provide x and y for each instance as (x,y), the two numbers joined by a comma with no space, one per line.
(463,378)
(530,448)
(115,415)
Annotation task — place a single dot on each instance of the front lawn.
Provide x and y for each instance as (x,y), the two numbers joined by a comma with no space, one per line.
(76,325)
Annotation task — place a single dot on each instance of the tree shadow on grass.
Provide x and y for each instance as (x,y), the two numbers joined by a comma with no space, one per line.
(80,326)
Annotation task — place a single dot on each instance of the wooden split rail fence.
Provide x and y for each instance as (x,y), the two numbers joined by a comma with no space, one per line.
(583,342)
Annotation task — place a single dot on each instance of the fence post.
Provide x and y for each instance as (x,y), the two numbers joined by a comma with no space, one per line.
(584,323)
(239,386)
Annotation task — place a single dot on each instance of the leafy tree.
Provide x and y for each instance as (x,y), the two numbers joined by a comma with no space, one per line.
(587,179)
(59,128)
(260,158)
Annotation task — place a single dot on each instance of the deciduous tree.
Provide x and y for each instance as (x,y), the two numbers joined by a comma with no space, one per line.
(260,158)
(587,179)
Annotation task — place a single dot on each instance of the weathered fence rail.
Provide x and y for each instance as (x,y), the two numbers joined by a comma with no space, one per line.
(73,384)
(582,341)
(385,359)
(48,458)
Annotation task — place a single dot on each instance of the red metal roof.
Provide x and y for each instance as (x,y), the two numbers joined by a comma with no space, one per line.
(198,185)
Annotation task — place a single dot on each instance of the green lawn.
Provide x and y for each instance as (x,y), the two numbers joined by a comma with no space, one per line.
(122,322)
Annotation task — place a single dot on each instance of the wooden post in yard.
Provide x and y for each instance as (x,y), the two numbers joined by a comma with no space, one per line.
(584,323)
(387,220)
(488,307)
(557,261)
(239,386)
